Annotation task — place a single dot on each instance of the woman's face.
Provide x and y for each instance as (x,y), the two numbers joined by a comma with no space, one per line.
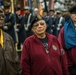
(39,27)
(73,16)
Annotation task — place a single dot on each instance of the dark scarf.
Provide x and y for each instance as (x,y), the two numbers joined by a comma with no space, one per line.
(69,34)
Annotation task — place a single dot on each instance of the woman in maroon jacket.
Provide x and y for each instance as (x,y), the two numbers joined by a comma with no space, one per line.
(67,39)
(41,53)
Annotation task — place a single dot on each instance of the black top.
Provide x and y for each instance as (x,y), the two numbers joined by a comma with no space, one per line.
(45,42)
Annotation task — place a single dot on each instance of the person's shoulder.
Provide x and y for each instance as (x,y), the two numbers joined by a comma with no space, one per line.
(11,15)
(7,35)
(62,28)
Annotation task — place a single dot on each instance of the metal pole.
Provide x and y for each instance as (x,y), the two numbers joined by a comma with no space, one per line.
(45,6)
(51,4)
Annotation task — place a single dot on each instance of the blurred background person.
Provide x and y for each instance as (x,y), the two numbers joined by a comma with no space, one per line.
(65,14)
(51,22)
(21,34)
(9,21)
(59,21)
(20,27)
(27,19)
(45,16)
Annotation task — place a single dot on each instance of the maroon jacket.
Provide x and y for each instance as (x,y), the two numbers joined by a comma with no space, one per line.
(35,61)
(71,53)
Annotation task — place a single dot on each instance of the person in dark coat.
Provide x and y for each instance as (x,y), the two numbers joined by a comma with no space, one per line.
(20,27)
(51,23)
(45,16)
(9,60)
(65,14)
(9,21)
(59,20)
(67,39)
(28,18)
(41,53)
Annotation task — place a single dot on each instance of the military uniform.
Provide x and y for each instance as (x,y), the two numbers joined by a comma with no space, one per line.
(51,23)
(20,29)
(9,22)
(28,18)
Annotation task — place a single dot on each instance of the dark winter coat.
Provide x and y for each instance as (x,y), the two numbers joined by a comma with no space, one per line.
(9,61)
(21,30)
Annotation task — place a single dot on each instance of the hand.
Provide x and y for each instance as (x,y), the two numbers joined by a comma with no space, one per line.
(5,27)
(17,30)
(26,28)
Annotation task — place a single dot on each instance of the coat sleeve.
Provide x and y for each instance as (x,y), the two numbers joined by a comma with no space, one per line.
(16,58)
(61,38)
(12,21)
(63,54)
(25,63)
(21,27)
(64,63)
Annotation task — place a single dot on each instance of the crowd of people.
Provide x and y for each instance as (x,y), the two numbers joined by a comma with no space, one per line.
(48,41)
(17,24)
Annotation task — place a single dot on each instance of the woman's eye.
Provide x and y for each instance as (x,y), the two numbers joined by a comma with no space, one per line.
(35,25)
(42,23)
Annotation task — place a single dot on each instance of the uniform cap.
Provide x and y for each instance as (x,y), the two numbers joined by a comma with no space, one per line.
(51,11)
(36,19)
(26,8)
(72,9)
(58,12)
(7,5)
(18,7)
(36,9)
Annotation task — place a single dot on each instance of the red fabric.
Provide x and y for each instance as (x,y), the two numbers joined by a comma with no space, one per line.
(35,61)
(22,12)
(71,53)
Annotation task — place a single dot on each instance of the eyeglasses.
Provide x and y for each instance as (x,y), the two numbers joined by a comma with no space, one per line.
(37,24)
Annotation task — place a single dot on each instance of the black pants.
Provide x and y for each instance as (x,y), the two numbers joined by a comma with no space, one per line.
(72,70)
